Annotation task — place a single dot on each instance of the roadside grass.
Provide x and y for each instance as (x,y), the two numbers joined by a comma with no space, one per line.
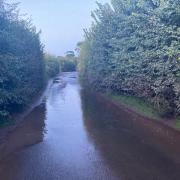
(138,105)
(177,125)
(5,123)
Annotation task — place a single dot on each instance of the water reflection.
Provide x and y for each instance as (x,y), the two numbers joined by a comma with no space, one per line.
(79,137)
(30,132)
(122,144)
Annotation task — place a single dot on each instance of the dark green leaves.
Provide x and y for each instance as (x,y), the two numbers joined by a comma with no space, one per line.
(21,61)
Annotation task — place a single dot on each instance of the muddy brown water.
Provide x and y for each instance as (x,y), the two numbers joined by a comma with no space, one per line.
(74,135)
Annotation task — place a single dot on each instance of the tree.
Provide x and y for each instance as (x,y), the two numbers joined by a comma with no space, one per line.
(52,64)
(70,54)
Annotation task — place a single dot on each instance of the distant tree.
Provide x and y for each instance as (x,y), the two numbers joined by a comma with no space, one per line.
(70,54)
(69,62)
(52,65)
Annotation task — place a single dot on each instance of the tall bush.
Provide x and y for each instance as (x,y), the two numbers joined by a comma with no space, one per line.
(133,48)
(21,61)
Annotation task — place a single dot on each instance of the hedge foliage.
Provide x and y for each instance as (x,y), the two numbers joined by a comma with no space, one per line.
(133,47)
(21,61)
(52,65)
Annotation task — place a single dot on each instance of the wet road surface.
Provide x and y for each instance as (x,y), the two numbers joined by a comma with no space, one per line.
(73,135)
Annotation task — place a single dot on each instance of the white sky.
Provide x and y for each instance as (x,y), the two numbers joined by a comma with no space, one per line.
(61,21)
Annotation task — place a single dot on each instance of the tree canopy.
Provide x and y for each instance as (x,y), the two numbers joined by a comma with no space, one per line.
(69,62)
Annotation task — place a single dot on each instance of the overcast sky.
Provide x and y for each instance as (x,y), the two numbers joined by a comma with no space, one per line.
(61,21)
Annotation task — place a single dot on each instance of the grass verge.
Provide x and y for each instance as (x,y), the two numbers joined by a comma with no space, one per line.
(5,123)
(177,125)
(138,105)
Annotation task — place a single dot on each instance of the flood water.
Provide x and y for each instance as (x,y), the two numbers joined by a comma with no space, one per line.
(74,135)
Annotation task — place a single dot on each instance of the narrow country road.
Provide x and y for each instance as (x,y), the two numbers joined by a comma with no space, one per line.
(74,136)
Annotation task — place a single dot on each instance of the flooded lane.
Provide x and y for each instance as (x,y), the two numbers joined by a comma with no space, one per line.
(74,136)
